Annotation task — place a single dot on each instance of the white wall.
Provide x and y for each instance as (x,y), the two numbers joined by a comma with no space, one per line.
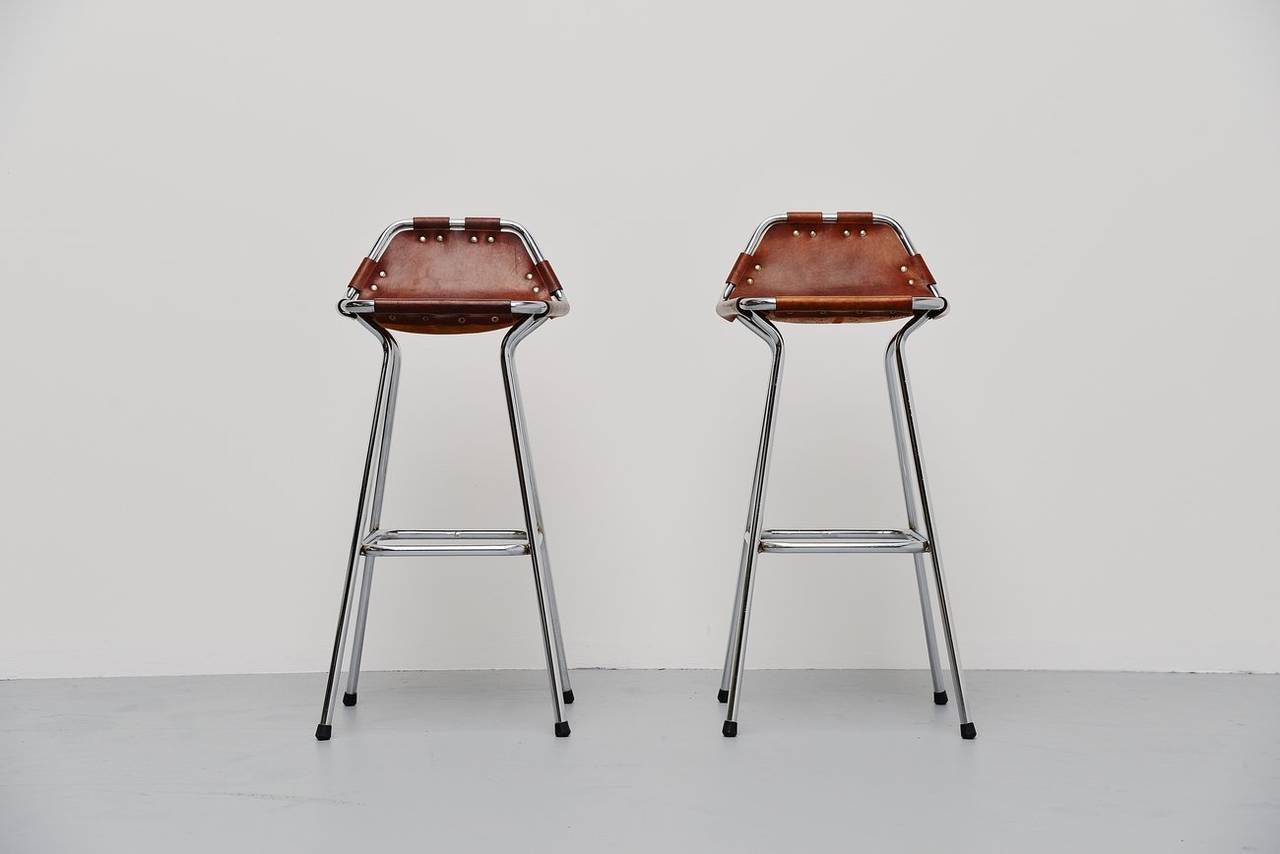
(187,190)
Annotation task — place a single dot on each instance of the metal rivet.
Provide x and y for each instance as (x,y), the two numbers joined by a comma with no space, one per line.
(813,234)
(489,239)
(902,269)
(911,281)
(846,232)
(528,275)
(422,238)
(373,287)
(493,319)
(536,289)
(862,232)
(757,266)
(462,320)
(382,274)
(795,233)
(439,238)
(751,281)
(475,239)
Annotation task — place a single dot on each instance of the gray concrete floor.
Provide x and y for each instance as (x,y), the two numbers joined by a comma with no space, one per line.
(466,761)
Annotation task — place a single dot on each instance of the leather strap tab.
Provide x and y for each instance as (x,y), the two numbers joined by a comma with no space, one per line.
(854,217)
(547,277)
(431,223)
(483,223)
(364,273)
(918,272)
(804,217)
(741,269)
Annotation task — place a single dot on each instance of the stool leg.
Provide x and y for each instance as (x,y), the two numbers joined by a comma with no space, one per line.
(723,696)
(375,521)
(742,610)
(967,728)
(390,361)
(913,520)
(552,645)
(535,507)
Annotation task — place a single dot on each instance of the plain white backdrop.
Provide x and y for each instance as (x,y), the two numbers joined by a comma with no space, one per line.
(186,190)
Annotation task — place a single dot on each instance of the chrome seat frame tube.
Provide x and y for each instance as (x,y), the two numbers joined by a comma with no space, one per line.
(735,656)
(552,639)
(370,485)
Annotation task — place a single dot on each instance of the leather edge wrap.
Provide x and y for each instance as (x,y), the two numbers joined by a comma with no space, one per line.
(854,217)
(547,276)
(738,274)
(804,217)
(918,270)
(483,223)
(431,223)
(363,273)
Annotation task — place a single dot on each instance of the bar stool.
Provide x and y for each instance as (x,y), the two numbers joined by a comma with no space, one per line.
(436,275)
(838,268)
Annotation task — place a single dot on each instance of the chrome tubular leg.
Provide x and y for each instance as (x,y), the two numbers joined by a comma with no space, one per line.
(540,542)
(375,521)
(742,615)
(528,494)
(891,360)
(723,696)
(967,728)
(390,358)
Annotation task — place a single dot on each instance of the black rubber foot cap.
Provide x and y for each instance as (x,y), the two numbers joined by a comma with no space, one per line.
(730,729)
(939,698)
(968,731)
(562,729)
(323,731)
(723,696)
(348,699)
(568,696)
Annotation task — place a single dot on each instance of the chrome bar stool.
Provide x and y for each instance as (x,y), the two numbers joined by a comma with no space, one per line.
(838,268)
(437,275)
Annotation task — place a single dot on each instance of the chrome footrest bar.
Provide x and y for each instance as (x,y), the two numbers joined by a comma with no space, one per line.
(843,541)
(449,543)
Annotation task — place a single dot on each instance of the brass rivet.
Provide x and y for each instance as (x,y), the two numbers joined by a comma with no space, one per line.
(489,239)
(751,281)
(813,234)
(902,269)
(536,289)
(439,238)
(757,266)
(862,232)
(911,281)
(422,238)
(795,233)
(373,287)
(382,274)
(846,232)
(475,239)
(528,275)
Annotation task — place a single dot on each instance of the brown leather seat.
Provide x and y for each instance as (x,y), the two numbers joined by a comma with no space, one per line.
(431,279)
(850,270)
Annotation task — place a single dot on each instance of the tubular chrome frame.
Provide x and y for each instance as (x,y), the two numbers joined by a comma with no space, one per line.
(369,541)
(753,312)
